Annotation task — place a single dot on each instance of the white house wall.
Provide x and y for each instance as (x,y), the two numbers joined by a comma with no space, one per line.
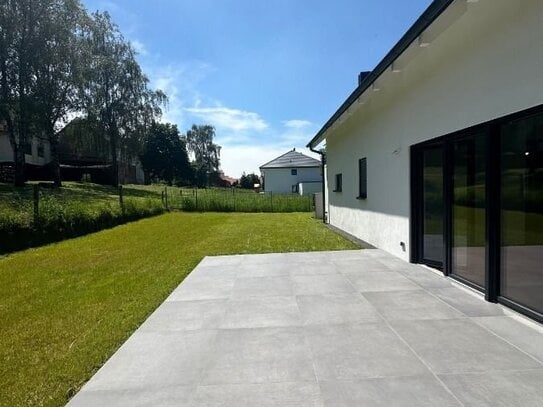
(488,64)
(6,152)
(309,188)
(280,180)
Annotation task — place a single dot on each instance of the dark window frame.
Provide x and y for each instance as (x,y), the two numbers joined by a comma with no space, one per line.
(339,183)
(362,178)
(294,171)
(493,218)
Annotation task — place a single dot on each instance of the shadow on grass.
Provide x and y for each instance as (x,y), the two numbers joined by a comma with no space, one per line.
(20,238)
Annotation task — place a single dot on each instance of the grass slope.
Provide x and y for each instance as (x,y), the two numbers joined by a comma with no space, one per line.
(73,210)
(66,307)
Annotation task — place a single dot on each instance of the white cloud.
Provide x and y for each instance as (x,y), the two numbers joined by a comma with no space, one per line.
(297,124)
(229,119)
(295,132)
(248,140)
(139,47)
(180,83)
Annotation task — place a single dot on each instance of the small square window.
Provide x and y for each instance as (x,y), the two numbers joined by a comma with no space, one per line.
(294,171)
(362,179)
(339,183)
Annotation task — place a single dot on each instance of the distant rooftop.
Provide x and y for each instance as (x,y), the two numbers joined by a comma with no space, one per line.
(292,159)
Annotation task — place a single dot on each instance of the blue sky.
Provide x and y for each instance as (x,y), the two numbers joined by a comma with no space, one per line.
(266,73)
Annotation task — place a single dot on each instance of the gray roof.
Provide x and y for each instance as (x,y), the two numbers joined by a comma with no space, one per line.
(292,159)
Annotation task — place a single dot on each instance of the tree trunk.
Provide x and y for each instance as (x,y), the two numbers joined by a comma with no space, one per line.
(55,159)
(19,162)
(114,162)
(18,155)
(16,145)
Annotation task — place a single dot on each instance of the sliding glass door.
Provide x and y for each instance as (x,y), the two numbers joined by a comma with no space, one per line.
(477,208)
(469,208)
(521,213)
(432,208)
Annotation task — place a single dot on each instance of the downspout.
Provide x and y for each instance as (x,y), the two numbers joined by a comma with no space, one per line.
(323,163)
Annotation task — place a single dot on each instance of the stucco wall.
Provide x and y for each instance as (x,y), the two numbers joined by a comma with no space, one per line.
(309,188)
(6,153)
(486,65)
(280,180)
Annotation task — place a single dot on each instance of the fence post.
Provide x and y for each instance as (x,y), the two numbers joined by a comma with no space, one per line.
(271,201)
(309,202)
(36,190)
(166,197)
(196,199)
(234,197)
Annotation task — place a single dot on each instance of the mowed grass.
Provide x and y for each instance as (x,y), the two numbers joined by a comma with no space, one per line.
(65,308)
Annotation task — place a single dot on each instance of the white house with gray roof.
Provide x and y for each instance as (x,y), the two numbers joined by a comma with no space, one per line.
(292,172)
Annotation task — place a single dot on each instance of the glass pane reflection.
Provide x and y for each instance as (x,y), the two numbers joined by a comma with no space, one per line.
(522,212)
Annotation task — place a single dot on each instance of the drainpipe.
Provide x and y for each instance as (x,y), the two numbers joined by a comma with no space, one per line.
(323,163)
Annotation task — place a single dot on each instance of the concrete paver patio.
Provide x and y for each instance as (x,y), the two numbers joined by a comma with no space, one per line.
(351,328)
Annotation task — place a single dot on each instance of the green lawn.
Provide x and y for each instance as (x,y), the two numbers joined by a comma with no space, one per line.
(66,307)
(80,208)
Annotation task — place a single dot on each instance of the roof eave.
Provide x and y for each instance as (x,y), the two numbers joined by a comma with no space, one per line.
(423,22)
(292,166)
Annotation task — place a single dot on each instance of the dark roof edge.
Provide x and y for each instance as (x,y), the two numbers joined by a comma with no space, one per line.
(282,155)
(276,158)
(433,11)
(291,166)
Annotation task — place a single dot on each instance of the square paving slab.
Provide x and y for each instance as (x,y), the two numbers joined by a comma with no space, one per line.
(323,329)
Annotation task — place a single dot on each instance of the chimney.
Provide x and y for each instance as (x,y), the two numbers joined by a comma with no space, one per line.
(361,76)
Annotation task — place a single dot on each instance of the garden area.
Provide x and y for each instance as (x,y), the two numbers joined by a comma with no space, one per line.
(66,307)
(37,214)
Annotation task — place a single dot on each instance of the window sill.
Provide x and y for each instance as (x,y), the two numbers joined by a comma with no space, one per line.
(361,197)
(337,190)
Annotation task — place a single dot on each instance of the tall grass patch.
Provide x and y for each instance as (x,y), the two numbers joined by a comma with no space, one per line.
(68,212)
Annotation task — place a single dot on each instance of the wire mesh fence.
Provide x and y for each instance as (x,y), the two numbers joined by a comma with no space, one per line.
(234,200)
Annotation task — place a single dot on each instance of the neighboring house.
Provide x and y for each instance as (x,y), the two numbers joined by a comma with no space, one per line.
(37,155)
(285,174)
(437,155)
(84,154)
(225,181)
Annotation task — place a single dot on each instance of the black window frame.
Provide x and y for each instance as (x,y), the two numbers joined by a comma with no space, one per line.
(294,171)
(338,187)
(362,178)
(492,288)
